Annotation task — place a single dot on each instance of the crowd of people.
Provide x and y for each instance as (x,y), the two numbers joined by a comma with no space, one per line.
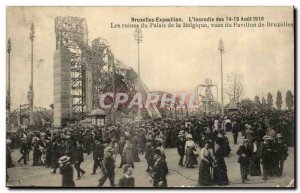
(266,137)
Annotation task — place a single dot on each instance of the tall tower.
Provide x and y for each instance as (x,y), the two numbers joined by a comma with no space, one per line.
(8,99)
(72,35)
(207,98)
(222,51)
(138,36)
(30,94)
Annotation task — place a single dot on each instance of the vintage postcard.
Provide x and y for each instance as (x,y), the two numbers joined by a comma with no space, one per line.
(155,97)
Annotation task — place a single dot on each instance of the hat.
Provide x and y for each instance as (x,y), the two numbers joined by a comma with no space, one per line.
(109,149)
(125,167)
(64,159)
(265,137)
(189,136)
(278,135)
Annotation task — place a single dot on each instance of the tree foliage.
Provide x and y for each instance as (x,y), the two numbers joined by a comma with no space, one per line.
(263,102)
(235,87)
(270,100)
(279,100)
(289,100)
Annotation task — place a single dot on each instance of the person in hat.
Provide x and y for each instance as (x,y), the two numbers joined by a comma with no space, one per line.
(121,145)
(78,159)
(220,176)
(36,153)
(281,153)
(24,151)
(98,152)
(57,152)
(264,154)
(249,132)
(108,168)
(127,180)
(244,152)
(235,131)
(206,157)
(128,152)
(190,149)
(158,171)
(180,148)
(66,170)
(149,153)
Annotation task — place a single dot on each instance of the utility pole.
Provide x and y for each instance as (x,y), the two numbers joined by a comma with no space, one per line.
(8,99)
(31,92)
(221,49)
(113,85)
(138,36)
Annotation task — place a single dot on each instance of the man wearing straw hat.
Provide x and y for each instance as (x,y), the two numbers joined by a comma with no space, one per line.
(66,170)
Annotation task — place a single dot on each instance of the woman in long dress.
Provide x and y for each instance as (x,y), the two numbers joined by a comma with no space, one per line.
(190,148)
(254,166)
(128,152)
(205,165)
(219,166)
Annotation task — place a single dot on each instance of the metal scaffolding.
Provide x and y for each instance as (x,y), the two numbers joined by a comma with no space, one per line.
(94,69)
(72,33)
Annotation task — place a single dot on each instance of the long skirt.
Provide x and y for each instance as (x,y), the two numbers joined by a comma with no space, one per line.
(191,158)
(254,166)
(135,154)
(204,174)
(220,175)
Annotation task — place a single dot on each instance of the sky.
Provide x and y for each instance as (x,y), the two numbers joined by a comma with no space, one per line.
(172,60)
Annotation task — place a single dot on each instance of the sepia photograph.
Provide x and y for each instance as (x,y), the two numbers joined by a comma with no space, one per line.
(150,97)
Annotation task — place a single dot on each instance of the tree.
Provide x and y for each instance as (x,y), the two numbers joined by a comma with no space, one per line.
(235,87)
(263,102)
(257,102)
(289,100)
(278,100)
(270,100)
(246,105)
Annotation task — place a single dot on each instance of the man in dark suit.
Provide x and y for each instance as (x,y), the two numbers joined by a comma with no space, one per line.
(24,151)
(121,145)
(127,180)
(180,148)
(244,153)
(282,153)
(264,154)
(97,154)
(57,152)
(108,168)
(66,170)
(235,131)
(78,159)
(159,170)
